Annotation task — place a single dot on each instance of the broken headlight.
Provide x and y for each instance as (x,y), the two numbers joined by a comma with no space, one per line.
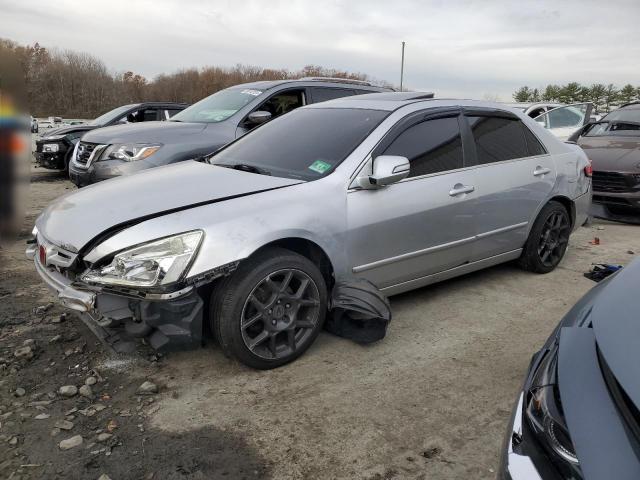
(153,264)
(544,411)
(130,152)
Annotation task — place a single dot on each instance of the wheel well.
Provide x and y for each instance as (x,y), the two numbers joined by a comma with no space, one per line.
(569,205)
(307,249)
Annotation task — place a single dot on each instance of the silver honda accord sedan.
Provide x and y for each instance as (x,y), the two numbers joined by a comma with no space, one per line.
(394,188)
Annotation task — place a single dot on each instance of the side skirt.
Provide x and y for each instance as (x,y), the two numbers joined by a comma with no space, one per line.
(451,273)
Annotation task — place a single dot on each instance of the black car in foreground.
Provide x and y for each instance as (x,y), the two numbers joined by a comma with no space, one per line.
(578,416)
(54,148)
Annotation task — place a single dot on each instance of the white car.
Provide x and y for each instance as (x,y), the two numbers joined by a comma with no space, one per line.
(564,121)
(533,109)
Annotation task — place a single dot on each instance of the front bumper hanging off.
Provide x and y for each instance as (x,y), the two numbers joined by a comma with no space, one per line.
(168,322)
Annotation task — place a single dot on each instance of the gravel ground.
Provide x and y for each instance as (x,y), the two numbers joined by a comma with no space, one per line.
(431,401)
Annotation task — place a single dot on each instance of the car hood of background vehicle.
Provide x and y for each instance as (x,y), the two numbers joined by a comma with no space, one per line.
(67,130)
(75,219)
(613,153)
(616,324)
(146,132)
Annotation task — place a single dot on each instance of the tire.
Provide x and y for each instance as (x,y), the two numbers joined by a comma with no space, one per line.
(548,239)
(261,314)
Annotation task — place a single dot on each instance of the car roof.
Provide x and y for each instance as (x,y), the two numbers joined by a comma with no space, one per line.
(160,104)
(635,105)
(314,82)
(390,101)
(526,105)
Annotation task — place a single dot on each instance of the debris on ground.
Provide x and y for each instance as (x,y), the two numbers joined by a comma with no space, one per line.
(595,241)
(358,311)
(147,388)
(600,271)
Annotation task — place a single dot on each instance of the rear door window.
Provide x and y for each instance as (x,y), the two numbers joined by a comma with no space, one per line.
(323,94)
(431,146)
(498,139)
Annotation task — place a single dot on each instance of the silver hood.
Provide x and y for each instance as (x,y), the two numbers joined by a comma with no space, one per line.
(75,219)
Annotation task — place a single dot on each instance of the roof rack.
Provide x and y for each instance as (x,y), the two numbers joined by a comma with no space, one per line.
(337,80)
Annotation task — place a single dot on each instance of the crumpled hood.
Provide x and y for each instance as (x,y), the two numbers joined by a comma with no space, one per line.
(613,153)
(616,324)
(67,130)
(146,132)
(75,219)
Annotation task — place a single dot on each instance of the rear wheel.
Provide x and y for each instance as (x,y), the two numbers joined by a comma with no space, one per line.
(270,310)
(548,239)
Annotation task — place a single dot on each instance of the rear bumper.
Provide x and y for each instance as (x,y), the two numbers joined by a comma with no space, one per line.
(583,206)
(620,207)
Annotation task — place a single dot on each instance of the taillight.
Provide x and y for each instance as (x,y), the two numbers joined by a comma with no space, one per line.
(588,170)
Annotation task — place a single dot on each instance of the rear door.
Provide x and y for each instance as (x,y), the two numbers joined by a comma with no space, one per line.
(514,175)
(323,94)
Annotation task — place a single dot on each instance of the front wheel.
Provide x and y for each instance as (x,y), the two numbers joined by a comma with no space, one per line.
(548,239)
(270,310)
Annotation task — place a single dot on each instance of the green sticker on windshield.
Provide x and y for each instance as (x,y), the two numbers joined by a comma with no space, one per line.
(319,166)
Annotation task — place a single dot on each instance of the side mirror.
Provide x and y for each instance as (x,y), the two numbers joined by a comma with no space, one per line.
(387,169)
(258,117)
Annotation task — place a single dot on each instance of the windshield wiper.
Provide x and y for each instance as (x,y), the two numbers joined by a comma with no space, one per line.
(245,167)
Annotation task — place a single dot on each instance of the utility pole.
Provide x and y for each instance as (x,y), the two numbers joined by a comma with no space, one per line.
(402,67)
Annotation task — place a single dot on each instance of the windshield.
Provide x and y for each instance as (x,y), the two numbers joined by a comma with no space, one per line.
(305,144)
(217,107)
(111,115)
(625,121)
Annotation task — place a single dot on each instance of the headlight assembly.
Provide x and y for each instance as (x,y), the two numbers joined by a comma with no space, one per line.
(50,147)
(130,152)
(152,264)
(544,411)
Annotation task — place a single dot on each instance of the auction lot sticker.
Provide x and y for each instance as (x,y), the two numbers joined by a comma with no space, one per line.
(319,166)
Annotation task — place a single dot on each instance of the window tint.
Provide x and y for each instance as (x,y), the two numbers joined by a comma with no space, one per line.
(534,146)
(306,143)
(324,94)
(498,139)
(171,113)
(431,146)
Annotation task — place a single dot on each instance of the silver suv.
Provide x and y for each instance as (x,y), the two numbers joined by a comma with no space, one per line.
(394,188)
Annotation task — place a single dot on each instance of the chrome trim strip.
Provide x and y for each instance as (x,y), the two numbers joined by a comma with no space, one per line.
(443,246)
(502,230)
(406,256)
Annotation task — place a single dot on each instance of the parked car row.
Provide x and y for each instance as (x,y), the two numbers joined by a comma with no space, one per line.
(55,147)
(200,129)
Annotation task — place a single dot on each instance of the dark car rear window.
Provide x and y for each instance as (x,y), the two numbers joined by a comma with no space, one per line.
(624,122)
(307,144)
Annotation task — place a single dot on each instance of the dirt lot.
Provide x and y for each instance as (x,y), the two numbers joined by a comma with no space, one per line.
(431,401)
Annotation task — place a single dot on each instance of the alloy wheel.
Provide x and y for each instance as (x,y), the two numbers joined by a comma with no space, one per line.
(554,238)
(280,314)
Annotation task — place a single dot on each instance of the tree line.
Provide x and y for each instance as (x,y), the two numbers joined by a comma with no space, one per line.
(74,84)
(603,96)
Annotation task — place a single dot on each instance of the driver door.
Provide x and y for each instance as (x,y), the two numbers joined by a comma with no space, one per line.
(423,224)
(564,121)
(277,104)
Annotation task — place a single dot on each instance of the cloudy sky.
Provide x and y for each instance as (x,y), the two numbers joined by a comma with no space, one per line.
(456,48)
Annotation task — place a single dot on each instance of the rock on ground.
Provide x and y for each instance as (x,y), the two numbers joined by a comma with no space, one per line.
(68,390)
(70,443)
(147,388)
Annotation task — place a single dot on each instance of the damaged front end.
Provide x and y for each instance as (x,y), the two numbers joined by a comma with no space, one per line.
(140,292)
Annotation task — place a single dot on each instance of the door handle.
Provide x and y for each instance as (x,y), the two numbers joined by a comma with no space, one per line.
(539,171)
(459,189)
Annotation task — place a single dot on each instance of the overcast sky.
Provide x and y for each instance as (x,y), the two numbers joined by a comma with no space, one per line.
(454,48)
